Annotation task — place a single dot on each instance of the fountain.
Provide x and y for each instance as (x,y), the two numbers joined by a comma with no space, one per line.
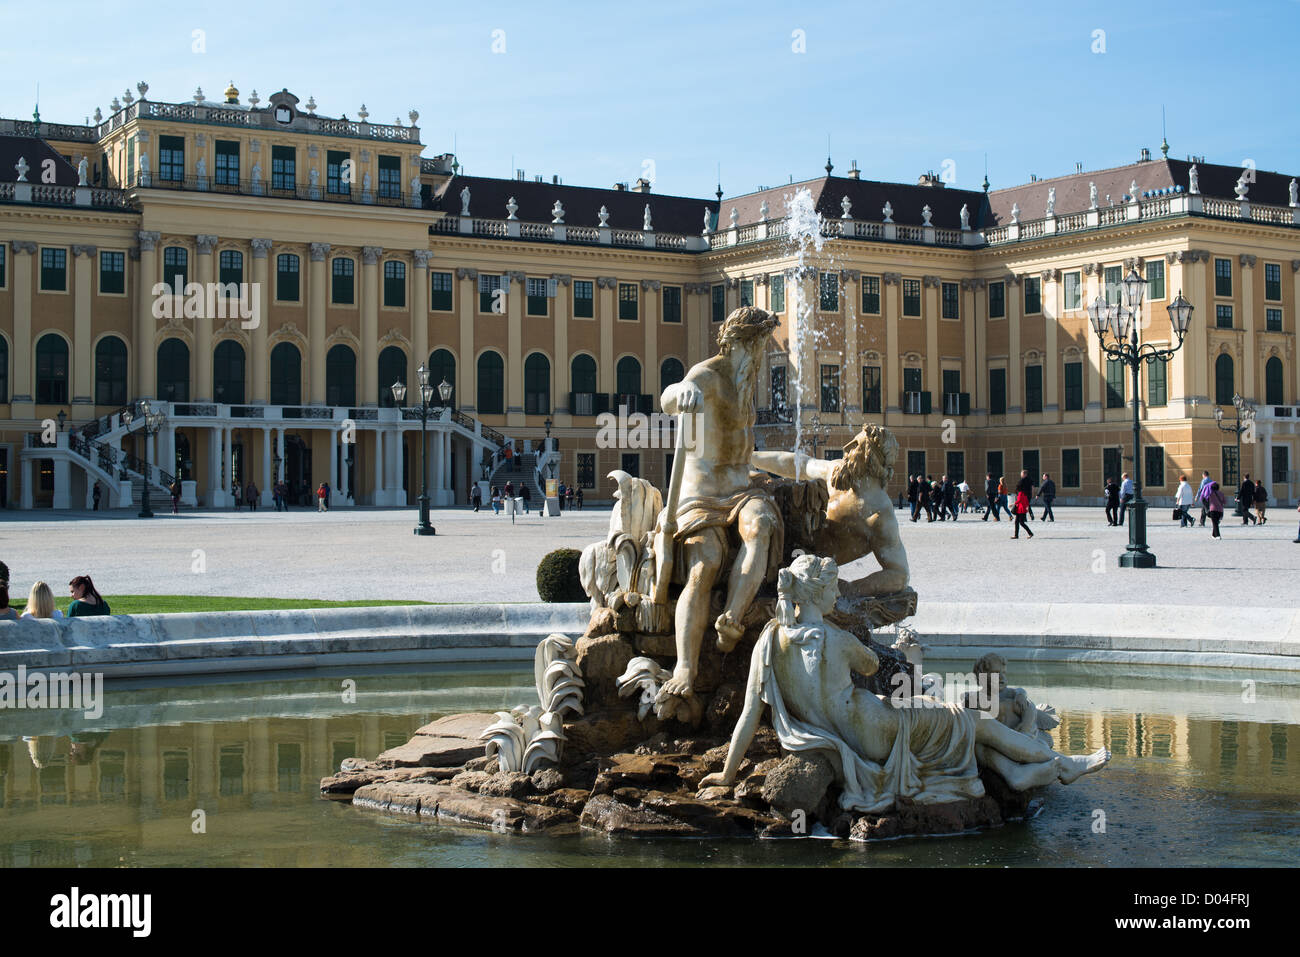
(728,682)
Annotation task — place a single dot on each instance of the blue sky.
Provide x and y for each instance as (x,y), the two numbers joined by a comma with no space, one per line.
(595,91)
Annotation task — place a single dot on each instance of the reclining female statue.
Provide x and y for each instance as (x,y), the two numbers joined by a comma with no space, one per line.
(924,750)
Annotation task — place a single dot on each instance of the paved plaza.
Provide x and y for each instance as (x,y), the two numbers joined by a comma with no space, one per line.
(371,553)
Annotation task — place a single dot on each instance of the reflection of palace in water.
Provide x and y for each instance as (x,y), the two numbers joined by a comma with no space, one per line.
(134,783)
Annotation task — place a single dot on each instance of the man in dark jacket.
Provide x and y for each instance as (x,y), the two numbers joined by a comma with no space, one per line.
(1112,501)
(1246,500)
(950,496)
(913,495)
(991,494)
(1047,491)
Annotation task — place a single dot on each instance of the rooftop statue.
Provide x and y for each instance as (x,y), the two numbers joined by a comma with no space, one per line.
(464,201)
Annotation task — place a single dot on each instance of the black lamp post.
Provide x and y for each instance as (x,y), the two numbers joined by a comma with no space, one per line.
(1122,321)
(817,433)
(426,400)
(153,423)
(62,417)
(1245,423)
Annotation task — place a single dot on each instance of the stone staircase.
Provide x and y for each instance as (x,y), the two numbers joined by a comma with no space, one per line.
(520,470)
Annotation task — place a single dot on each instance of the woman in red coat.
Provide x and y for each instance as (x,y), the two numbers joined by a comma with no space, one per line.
(1024,489)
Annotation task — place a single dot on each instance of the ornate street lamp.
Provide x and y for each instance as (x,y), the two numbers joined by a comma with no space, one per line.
(817,433)
(426,403)
(1122,320)
(1245,423)
(62,417)
(153,423)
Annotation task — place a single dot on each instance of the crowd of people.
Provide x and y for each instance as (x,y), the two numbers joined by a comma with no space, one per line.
(85,599)
(943,499)
(500,497)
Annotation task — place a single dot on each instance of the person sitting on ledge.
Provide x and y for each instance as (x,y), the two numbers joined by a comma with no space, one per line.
(918,747)
(85,599)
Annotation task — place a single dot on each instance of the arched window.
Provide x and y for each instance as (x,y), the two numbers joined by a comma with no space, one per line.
(537,385)
(176,267)
(491,384)
(582,374)
(51,370)
(228,372)
(286,375)
(1223,383)
(628,376)
(442,367)
(670,373)
(110,371)
(1273,381)
(173,371)
(340,376)
(4,370)
(392,368)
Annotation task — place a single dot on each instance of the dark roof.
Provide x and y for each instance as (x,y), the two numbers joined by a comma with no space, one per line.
(488,198)
(1072,194)
(867,199)
(36,151)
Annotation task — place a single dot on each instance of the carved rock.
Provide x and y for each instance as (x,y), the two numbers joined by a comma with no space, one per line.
(798,783)
(447,742)
(601,660)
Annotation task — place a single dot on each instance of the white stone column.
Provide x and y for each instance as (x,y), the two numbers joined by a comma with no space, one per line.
(377,497)
(344,486)
(334,466)
(62,481)
(228,475)
(28,482)
(266,467)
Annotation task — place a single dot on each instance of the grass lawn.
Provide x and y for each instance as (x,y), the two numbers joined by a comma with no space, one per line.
(172,604)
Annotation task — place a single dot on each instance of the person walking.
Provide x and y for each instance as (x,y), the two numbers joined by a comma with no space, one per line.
(913,489)
(96,493)
(175,490)
(475,496)
(964,496)
(559,498)
(86,601)
(950,497)
(991,496)
(510,490)
(1126,488)
(1048,492)
(1024,489)
(527,497)
(1183,500)
(1246,500)
(1261,502)
(1200,495)
(1296,540)
(237,493)
(1215,502)
(322,499)
(577,498)
(1002,495)
(496,500)
(1111,491)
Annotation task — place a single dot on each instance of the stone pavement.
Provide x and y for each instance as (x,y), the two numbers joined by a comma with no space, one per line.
(365,553)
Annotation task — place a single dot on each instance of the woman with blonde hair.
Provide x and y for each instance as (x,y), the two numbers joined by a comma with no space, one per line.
(40,603)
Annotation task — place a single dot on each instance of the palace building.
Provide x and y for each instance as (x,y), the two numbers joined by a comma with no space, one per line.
(263,274)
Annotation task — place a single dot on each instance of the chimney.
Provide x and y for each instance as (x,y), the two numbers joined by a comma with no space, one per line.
(555,180)
(929,179)
(519,175)
(642,185)
(853,170)
(1144,156)
(621,187)
(539,178)
(1078,167)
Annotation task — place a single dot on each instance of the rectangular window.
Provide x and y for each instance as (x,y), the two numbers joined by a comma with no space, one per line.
(1073,386)
(915,462)
(586,470)
(1223,277)
(537,301)
(951,381)
(1033,295)
(1273,282)
(830,388)
(776,283)
(112,272)
(175,267)
(341,282)
(171,158)
(1155,270)
(1111,283)
(951,302)
(1281,463)
(631,463)
(911,380)
(584,301)
(1114,384)
(54,270)
(719,303)
(1072,286)
(395,284)
(997,300)
(1033,388)
(390,177)
(1155,462)
(487,294)
(1070,477)
(286,278)
(871,385)
(778,388)
(1157,390)
(871,295)
(672,303)
(227,171)
(993,464)
(1223,316)
(338,172)
(997,392)
(627,301)
(284,167)
(829,285)
(746,292)
(1230,472)
(912,298)
(440,291)
(1272,320)
(955,466)
(1029,461)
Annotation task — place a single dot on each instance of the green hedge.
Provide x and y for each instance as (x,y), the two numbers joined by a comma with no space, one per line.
(557,576)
